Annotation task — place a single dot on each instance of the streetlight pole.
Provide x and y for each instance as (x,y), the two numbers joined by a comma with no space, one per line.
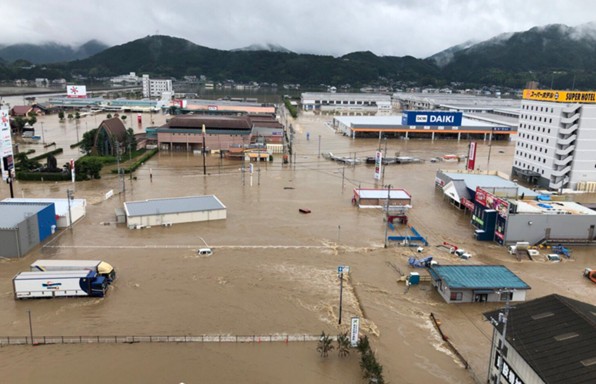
(43,139)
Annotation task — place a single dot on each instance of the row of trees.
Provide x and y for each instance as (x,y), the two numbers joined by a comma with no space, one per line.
(372,370)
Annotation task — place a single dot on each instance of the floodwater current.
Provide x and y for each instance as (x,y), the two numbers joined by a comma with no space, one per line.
(273,270)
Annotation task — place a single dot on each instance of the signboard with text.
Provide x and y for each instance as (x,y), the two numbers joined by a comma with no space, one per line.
(559,96)
(6,155)
(354,330)
(432,118)
(76,91)
(490,201)
(471,156)
(378,165)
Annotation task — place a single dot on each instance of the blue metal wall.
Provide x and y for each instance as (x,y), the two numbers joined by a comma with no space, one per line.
(46,217)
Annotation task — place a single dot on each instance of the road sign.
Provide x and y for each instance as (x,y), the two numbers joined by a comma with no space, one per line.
(343,269)
(354,330)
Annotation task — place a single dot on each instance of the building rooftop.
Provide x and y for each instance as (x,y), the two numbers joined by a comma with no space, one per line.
(60,204)
(382,193)
(477,277)
(12,213)
(553,207)
(555,336)
(487,182)
(396,121)
(173,205)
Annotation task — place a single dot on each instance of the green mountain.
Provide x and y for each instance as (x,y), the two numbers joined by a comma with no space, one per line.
(174,57)
(556,55)
(50,52)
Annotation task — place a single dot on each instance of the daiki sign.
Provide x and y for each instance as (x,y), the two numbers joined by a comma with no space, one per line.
(432,118)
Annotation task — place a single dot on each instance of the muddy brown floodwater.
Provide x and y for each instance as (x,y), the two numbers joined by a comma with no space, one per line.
(273,271)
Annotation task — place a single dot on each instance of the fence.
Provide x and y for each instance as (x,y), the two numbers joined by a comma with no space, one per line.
(40,340)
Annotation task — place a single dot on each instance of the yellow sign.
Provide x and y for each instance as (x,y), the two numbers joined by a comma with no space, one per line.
(560,96)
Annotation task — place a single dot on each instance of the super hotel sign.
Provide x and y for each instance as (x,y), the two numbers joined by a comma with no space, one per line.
(560,96)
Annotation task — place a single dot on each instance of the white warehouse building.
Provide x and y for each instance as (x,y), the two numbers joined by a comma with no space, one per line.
(168,211)
(556,146)
(329,101)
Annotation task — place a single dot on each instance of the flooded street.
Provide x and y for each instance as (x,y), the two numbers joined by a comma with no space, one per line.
(273,270)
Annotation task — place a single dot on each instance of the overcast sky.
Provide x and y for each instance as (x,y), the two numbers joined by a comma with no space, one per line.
(418,28)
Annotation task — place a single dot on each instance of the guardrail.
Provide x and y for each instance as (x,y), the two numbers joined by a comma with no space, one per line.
(41,340)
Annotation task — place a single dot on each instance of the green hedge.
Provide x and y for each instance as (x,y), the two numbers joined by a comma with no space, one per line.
(140,161)
(45,155)
(291,108)
(45,176)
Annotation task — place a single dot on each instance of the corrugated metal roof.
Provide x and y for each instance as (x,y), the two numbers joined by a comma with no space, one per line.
(12,214)
(173,205)
(534,329)
(477,277)
(488,181)
(382,194)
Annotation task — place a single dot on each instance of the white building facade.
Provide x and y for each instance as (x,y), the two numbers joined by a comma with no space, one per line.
(156,87)
(556,146)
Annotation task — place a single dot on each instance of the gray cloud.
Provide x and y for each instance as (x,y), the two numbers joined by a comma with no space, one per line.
(334,27)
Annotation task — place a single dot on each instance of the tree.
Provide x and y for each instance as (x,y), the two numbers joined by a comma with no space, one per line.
(343,344)
(324,346)
(77,115)
(70,116)
(131,141)
(88,140)
(61,115)
(123,117)
(89,167)
(109,116)
(23,163)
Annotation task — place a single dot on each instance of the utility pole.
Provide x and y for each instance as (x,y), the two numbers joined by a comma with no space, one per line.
(204,150)
(387,213)
(69,197)
(319,155)
(503,320)
(343,177)
(30,326)
(341,289)
(490,140)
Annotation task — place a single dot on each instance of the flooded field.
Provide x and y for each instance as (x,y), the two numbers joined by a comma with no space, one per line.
(273,270)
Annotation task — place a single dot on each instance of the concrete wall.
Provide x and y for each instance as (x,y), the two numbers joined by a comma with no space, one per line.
(176,218)
(584,160)
(575,227)
(10,243)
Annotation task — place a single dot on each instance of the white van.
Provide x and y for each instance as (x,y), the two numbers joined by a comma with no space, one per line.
(205,252)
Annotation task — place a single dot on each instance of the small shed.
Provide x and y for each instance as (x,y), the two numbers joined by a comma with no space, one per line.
(377,198)
(477,283)
(168,211)
(23,226)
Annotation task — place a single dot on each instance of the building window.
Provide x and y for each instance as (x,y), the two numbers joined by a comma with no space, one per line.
(456,296)
(506,296)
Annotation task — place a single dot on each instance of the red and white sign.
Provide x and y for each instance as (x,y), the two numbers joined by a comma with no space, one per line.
(378,165)
(471,156)
(72,170)
(76,91)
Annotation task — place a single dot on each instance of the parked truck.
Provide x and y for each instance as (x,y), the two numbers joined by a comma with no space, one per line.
(59,284)
(100,267)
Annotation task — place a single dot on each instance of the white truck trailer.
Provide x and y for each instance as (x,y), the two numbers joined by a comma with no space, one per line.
(101,267)
(59,284)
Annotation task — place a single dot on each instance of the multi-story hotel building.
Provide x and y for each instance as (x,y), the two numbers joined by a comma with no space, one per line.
(556,145)
(155,87)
